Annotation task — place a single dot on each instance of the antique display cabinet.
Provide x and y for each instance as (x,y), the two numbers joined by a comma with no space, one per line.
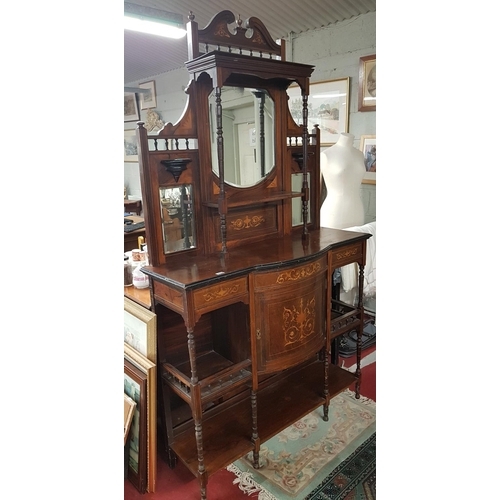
(240,271)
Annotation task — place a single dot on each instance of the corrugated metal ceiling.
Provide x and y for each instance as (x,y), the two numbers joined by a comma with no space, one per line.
(148,55)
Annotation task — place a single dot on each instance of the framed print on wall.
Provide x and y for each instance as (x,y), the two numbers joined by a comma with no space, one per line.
(367,84)
(148,419)
(148,98)
(131,113)
(328,106)
(139,329)
(368,146)
(130,145)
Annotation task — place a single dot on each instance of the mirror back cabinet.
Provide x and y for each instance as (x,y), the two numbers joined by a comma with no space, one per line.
(240,270)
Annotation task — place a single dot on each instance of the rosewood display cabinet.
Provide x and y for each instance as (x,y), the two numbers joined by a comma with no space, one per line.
(240,271)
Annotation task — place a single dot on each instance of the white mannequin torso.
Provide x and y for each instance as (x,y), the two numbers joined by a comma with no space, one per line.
(343,169)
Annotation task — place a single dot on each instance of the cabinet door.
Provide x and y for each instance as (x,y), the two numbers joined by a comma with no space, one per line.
(290,315)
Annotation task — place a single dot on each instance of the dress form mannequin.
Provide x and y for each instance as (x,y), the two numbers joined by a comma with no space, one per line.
(343,169)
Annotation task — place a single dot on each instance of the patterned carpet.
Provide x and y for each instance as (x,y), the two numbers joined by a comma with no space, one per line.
(317,460)
(353,479)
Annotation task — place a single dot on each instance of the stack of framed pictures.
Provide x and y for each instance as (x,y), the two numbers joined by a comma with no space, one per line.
(139,371)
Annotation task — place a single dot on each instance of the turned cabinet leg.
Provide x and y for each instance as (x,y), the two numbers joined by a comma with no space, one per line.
(197,413)
(256,458)
(358,360)
(202,473)
(326,392)
(325,412)
(361,281)
(203,486)
(255,433)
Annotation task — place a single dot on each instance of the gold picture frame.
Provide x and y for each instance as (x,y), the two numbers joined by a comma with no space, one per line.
(139,329)
(367,84)
(148,368)
(368,145)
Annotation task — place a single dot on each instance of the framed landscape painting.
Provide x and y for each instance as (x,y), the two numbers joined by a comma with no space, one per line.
(135,387)
(328,106)
(139,329)
(148,416)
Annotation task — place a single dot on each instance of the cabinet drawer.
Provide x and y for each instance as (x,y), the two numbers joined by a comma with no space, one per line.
(221,294)
(290,276)
(346,255)
(169,296)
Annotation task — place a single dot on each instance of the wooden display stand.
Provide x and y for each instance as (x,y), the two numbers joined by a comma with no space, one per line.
(243,293)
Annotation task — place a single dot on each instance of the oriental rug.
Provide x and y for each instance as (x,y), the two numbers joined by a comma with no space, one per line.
(317,460)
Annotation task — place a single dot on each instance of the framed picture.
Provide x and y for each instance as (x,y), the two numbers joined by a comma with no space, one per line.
(148,98)
(369,147)
(139,329)
(131,110)
(367,85)
(135,387)
(147,417)
(328,106)
(130,146)
(128,414)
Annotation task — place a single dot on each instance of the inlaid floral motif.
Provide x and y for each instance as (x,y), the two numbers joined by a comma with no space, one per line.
(298,323)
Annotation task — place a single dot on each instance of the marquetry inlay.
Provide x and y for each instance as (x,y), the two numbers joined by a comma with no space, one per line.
(298,273)
(347,253)
(298,323)
(247,222)
(257,37)
(221,30)
(221,292)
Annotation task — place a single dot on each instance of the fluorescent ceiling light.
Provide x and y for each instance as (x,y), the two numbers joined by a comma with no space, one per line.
(153,21)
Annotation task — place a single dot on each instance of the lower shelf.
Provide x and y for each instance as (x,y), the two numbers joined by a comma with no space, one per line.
(227,435)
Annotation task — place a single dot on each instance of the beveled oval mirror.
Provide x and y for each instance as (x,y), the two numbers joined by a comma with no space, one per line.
(248,134)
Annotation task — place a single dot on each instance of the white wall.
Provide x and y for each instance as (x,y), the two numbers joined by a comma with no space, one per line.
(335,53)
(170,103)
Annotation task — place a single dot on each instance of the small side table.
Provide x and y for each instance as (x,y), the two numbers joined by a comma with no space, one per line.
(133,206)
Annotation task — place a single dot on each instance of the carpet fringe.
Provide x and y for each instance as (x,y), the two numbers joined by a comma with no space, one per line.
(246,483)
(362,399)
